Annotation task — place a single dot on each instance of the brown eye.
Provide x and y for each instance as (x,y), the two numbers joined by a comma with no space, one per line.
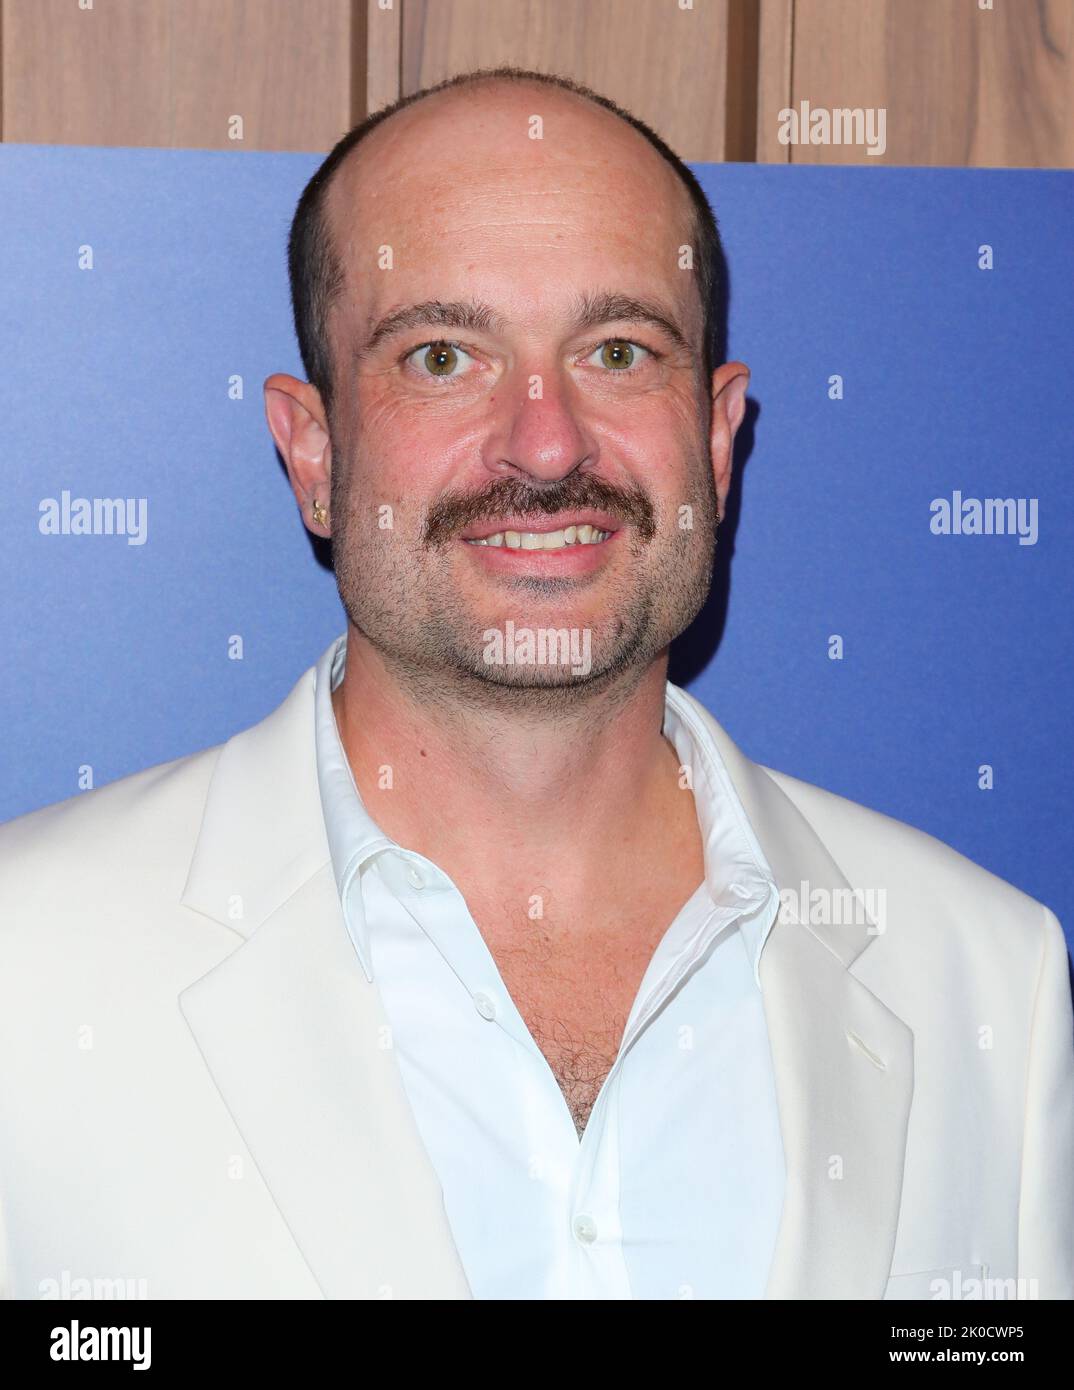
(440,359)
(620,357)
(617,354)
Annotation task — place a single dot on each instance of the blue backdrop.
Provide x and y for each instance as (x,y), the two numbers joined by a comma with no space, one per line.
(141,378)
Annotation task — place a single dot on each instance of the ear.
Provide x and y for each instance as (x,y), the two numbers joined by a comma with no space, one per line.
(297,420)
(729,384)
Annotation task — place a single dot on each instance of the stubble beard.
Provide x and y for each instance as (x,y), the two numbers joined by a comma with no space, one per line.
(400,597)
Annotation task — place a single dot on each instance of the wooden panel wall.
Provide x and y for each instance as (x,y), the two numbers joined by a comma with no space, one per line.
(665,64)
(176,72)
(959,84)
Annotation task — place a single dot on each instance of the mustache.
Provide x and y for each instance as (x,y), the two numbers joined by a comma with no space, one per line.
(517,497)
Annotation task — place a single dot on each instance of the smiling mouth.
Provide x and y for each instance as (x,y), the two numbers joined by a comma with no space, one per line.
(544,540)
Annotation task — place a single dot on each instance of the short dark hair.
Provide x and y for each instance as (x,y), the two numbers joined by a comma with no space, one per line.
(316,270)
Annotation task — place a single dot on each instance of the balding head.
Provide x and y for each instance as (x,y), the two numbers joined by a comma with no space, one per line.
(474,136)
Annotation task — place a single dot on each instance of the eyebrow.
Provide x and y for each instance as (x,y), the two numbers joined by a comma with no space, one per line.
(589,311)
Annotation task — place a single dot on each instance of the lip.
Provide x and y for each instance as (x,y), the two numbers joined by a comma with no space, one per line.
(541,525)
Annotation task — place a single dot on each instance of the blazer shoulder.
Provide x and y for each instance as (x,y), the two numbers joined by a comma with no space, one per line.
(145,817)
(873,848)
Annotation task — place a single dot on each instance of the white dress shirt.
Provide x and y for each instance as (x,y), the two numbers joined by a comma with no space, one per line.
(675,1188)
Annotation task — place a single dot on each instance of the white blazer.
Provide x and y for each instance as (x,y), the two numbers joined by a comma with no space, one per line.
(194,1104)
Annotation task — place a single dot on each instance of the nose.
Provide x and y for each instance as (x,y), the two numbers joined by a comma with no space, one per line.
(538,433)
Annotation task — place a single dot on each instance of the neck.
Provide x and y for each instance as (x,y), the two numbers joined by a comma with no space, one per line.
(516,785)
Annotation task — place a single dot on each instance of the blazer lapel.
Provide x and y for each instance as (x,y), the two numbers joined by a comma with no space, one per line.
(295,1037)
(843,1066)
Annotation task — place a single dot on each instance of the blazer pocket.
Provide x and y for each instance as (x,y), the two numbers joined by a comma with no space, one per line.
(925,1283)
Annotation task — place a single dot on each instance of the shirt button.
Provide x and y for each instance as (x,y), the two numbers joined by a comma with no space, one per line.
(414,877)
(585,1229)
(486,1007)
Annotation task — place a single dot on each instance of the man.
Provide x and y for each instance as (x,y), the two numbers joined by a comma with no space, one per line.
(466,972)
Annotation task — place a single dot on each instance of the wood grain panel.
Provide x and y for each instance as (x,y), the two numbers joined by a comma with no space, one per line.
(175,72)
(740,137)
(665,64)
(774,52)
(384,46)
(960,85)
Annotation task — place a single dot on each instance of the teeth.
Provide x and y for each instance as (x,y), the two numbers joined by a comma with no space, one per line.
(545,540)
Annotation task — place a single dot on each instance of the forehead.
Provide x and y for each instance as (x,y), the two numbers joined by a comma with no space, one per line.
(456,187)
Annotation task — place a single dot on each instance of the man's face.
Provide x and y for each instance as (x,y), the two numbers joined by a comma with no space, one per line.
(550,422)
